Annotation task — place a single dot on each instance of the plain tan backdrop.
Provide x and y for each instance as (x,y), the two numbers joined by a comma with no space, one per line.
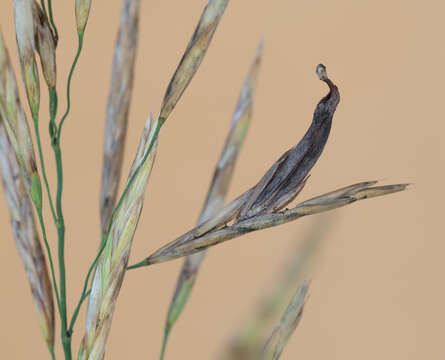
(377,287)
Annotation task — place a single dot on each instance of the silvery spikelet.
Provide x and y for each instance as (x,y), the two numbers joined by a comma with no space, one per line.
(118,107)
(193,55)
(16,126)
(26,236)
(286,326)
(82,13)
(112,265)
(45,46)
(25,29)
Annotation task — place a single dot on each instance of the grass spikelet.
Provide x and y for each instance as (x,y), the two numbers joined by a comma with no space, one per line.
(193,55)
(260,207)
(287,325)
(25,29)
(217,192)
(111,267)
(118,107)
(45,46)
(248,342)
(16,126)
(82,13)
(26,237)
(313,206)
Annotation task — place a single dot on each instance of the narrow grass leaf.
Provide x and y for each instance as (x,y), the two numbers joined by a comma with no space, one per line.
(287,325)
(26,236)
(110,270)
(218,190)
(119,100)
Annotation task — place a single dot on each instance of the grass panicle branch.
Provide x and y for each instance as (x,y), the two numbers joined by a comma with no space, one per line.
(119,101)
(287,325)
(111,268)
(26,237)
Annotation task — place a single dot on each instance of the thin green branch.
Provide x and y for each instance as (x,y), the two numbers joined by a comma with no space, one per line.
(42,2)
(76,311)
(165,340)
(42,164)
(51,351)
(51,20)
(68,87)
(50,258)
(66,338)
(85,293)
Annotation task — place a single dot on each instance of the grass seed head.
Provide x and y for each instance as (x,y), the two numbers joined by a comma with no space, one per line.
(45,46)
(119,100)
(82,13)
(14,121)
(26,236)
(111,268)
(287,325)
(193,55)
(25,29)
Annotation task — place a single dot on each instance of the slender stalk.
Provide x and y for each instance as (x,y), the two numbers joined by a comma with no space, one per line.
(42,2)
(51,351)
(42,164)
(68,87)
(165,340)
(51,20)
(76,311)
(85,293)
(50,258)
(66,336)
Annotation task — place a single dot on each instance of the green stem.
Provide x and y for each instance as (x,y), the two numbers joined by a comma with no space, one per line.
(51,19)
(51,350)
(66,336)
(42,2)
(138,265)
(85,293)
(42,164)
(50,258)
(164,342)
(68,87)
(76,311)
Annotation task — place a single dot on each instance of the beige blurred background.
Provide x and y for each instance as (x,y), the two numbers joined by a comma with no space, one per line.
(377,284)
